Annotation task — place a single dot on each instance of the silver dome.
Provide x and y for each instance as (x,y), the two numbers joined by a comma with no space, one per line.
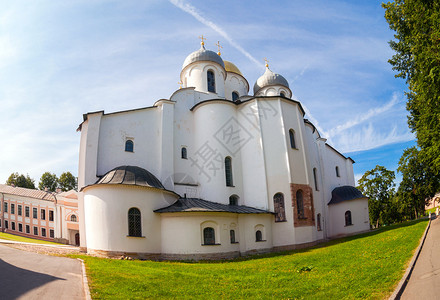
(203,55)
(269,78)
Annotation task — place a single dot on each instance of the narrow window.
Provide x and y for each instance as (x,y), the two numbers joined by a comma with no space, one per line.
(129,146)
(134,222)
(232,236)
(300,204)
(26,211)
(211,81)
(184,154)
(0,223)
(209,236)
(73,218)
(13,225)
(35,230)
(278,204)
(51,233)
(318,222)
(283,95)
(6,225)
(50,215)
(28,229)
(337,171)
(6,207)
(292,139)
(258,236)
(233,200)
(20,227)
(19,210)
(34,213)
(43,214)
(235,96)
(348,218)
(12,208)
(43,231)
(228,171)
(315,178)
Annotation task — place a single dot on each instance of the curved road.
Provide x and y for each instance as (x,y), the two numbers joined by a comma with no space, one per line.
(28,275)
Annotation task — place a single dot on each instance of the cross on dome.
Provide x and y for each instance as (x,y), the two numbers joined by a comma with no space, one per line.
(267,62)
(218,45)
(203,40)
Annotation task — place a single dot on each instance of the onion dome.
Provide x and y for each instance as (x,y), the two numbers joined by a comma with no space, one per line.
(203,55)
(131,175)
(230,67)
(269,78)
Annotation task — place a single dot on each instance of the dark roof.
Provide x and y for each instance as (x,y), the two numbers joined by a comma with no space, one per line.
(345,193)
(31,193)
(130,175)
(200,205)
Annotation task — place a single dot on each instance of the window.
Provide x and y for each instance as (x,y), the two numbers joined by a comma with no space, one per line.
(208,236)
(258,236)
(300,204)
(35,230)
(12,208)
(26,211)
(282,94)
(211,81)
(43,214)
(50,215)
(6,207)
(43,231)
(129,146)
(28,229)
(232,236)
(292,139)
(20,227)
(228,171)
(184,154)
(315,178)
(318,222)
(51,233)
(73,218)
(19,210)
(0,223)
(235,96)
(34,212)
(337,171)
(278,204)
(13,225)
(233,200)
(134,222)
(348,218)
(6,224)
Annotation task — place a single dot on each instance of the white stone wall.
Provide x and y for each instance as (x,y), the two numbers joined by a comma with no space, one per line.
(359,217)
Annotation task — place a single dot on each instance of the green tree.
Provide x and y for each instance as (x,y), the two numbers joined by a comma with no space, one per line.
(20,180)
(67,182)
(417,59)
(49,181)
(378,185)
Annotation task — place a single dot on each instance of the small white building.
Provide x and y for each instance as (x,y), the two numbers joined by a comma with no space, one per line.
(213,172)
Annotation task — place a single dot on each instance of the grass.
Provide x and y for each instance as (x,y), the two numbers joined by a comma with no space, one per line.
(366,266)
(431,210)
(12,237)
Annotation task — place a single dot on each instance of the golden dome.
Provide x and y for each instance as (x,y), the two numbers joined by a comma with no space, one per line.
(230,67)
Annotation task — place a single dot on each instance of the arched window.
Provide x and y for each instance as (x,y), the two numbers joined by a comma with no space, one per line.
(134,222)
(258,236)
(278,205)
(228,171)
(233,200)
(209,236)
(211,81)
(318,222)
(282,94)
(73,218)
(300,204)
(315,177)
(348,218)
(129,145)
(235,96)
(337,171)
(232,236)
(292,139)
(184,154)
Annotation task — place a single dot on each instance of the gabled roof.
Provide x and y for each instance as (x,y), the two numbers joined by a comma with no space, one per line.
(200,205)
(345,193)
(31,193)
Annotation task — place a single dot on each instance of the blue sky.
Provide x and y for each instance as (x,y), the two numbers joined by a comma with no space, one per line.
(61,59)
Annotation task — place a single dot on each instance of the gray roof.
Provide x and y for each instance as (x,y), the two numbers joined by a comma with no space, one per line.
(200,205)
(131,175)
(345,193)
(269,78)
(203,55)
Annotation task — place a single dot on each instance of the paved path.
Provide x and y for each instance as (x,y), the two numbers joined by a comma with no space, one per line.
(28,275)
(424,282)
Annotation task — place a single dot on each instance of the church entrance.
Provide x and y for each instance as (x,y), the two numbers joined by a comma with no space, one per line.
(76,239)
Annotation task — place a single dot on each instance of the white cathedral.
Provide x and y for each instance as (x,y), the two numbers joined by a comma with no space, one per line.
(213,172)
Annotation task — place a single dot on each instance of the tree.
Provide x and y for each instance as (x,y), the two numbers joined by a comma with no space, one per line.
(21,181)
(49,181)
(417,59)
(67,182)
(378,185)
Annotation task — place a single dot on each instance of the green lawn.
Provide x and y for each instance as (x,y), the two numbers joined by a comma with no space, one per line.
(12,237)
(365,266)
